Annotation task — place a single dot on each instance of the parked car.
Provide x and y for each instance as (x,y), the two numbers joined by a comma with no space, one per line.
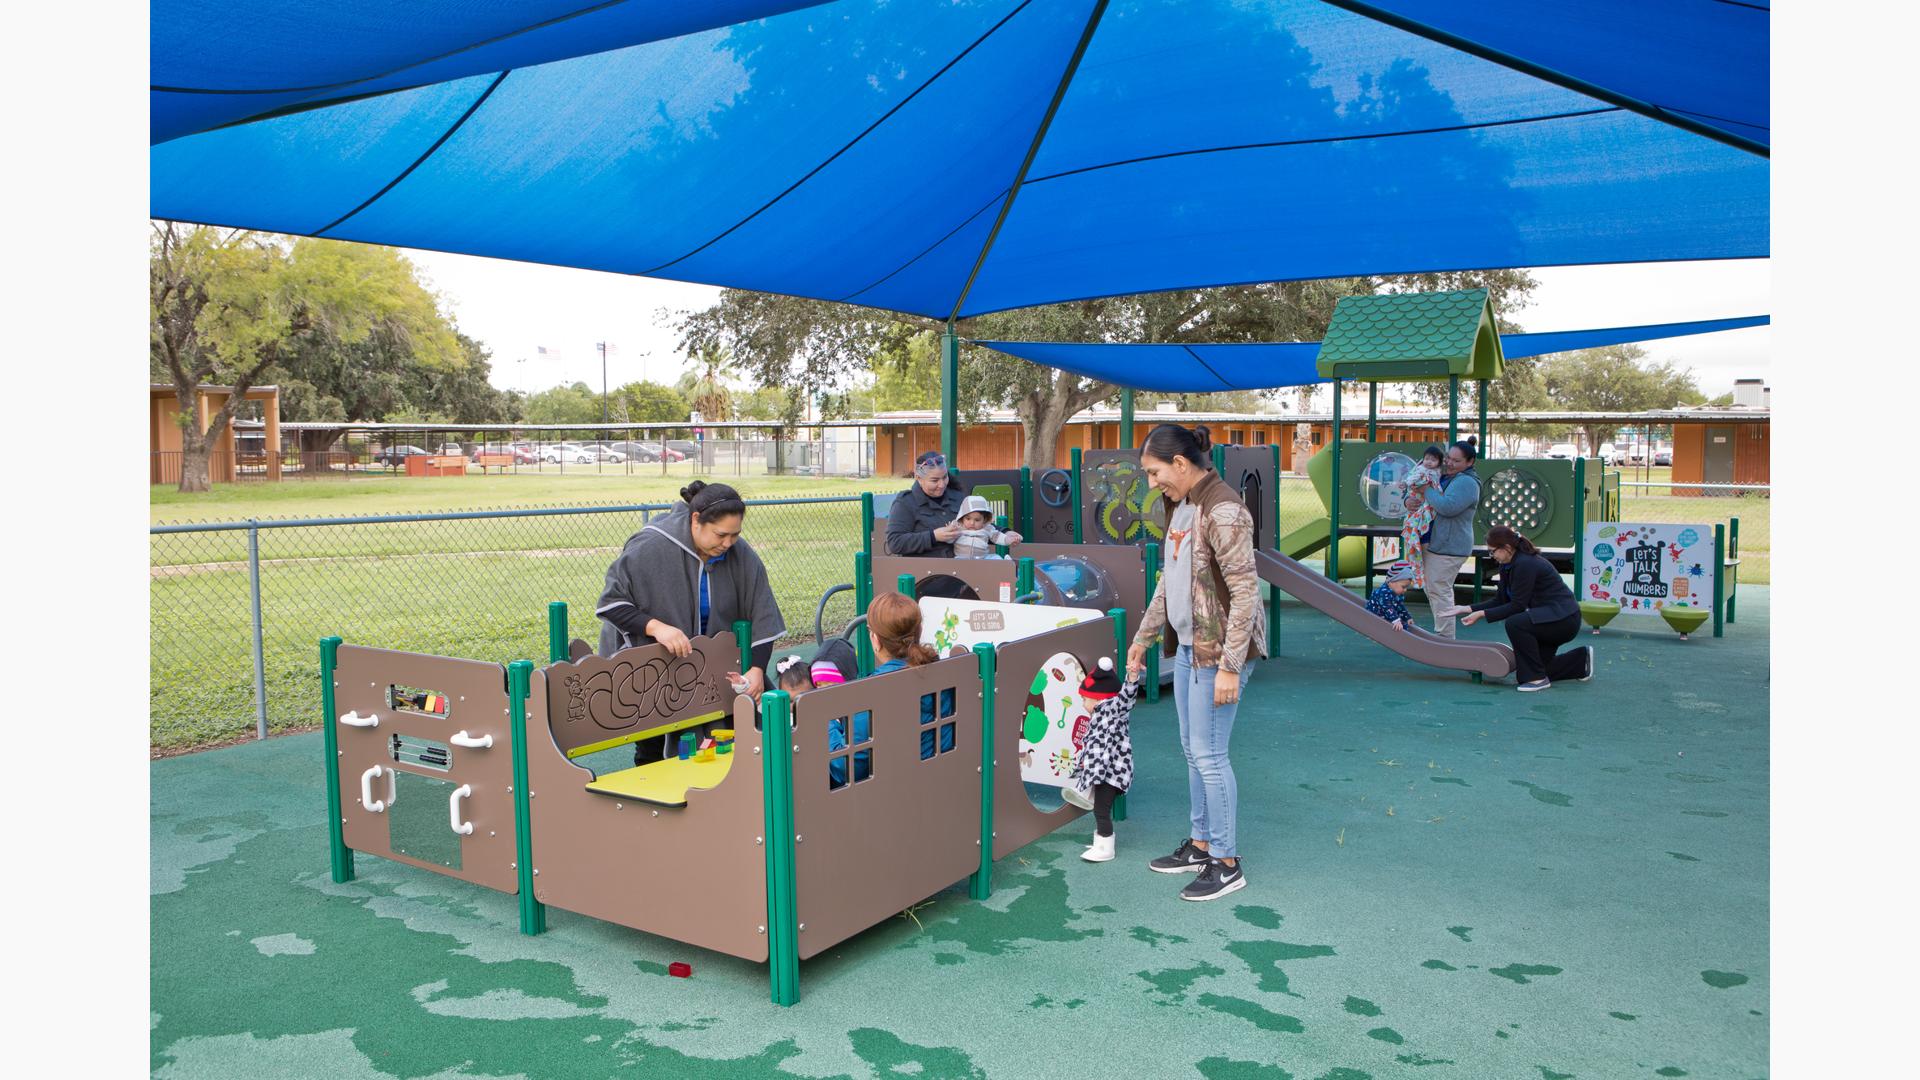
(638,451)
(1663,457)
(396,456)
(566,454)
(1563,450)
(686,448)
(452,449)
(521,453)
(608,454)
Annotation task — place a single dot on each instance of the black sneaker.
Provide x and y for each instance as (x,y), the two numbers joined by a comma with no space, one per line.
(1215,881)
(1185,859)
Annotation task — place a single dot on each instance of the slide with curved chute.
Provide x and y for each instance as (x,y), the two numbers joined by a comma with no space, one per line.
(1329,598)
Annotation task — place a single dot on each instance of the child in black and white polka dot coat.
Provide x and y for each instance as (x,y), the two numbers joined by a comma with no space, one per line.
(1104,766)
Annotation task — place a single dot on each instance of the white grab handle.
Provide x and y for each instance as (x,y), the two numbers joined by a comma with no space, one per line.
(464,828)
(354,719)
(373,805)
(461,738)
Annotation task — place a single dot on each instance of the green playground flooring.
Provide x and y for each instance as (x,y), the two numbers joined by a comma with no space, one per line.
(1447,880)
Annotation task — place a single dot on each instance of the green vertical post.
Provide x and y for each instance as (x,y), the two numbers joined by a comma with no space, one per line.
(743,636)
(904,584)
(1733,553)
(1333,510)
(783,913)
(1120,639)
(866,522)
(949,394)
(1219,455)
(1453,408)
(1373,411)
(1023,577)
(340,856)
(1719,577)
(1273,594)
(980,883)
(862,598)
(1126,419)
(1025,528)
(1485,435)
(558,646)
(533,913)
(1151,555)
(1579,524)
(1073,497)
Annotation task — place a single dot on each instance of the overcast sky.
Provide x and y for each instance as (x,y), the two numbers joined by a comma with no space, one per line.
(517,307)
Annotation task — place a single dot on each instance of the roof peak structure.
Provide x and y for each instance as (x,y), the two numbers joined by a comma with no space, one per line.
(1412,336)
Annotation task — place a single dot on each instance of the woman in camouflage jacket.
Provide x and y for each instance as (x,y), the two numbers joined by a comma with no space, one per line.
(1208,598)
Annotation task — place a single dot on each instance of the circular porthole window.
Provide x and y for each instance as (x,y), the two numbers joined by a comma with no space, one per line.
(1383,485)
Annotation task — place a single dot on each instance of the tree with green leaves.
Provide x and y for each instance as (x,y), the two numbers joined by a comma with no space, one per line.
(1612,378)
(226,306)
(645,402)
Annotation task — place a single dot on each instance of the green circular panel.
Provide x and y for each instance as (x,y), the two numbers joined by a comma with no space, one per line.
(1519,500)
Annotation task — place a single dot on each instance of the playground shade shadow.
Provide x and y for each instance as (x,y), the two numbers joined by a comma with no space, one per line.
(1448,880)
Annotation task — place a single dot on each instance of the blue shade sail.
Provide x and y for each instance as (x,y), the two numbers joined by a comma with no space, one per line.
(1703,59)
(216,62)
(1197,369)
(872,152)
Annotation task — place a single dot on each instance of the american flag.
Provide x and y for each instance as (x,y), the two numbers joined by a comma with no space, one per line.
(545,353)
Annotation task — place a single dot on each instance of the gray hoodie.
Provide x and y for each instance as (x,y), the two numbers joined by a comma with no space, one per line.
(658,574)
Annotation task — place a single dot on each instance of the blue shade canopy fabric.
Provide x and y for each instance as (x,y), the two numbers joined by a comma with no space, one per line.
(901,156)
(1197,369)
(216,62)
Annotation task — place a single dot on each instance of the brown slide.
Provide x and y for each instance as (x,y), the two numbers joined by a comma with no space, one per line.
(1492,660)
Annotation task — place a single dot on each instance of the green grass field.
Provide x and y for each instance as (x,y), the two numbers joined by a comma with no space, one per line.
(480,588)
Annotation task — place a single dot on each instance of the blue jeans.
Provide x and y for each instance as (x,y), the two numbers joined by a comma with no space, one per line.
(1204,731)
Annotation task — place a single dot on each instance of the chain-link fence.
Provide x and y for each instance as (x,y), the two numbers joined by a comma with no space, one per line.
(473,584)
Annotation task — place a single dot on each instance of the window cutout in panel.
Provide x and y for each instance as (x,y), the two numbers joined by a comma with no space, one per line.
(414,699)
(836,772)
(863,726)
(946,702)
(862,765)
(926,708)
(926,744)
(946,737)
(837,733)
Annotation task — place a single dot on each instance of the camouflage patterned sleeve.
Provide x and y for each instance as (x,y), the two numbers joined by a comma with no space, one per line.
(1230,536)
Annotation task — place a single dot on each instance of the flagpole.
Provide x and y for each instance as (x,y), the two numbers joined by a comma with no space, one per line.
(603,382)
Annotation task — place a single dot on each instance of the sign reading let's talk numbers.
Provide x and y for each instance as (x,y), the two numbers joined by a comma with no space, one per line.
(1645,567)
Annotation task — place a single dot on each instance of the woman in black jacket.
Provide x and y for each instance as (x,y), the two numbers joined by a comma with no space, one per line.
(1539,611)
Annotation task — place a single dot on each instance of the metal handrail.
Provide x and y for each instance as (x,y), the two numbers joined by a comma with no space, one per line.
(820,612)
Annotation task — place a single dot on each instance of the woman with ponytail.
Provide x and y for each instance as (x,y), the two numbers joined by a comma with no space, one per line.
(1539,612)
(1208,597)
(688,573)
(893,622)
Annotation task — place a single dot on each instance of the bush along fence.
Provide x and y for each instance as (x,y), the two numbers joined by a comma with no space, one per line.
(235,606)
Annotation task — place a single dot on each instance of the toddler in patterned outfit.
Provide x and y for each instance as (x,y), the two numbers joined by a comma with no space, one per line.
(1419,517)
(1386,601)
(1104,765)
(978,533)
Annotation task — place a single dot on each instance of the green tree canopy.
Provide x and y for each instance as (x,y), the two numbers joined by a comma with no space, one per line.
(228,307)
(1613,379)
(647,402)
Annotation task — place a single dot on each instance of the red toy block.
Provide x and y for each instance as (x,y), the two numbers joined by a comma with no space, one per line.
(679,970)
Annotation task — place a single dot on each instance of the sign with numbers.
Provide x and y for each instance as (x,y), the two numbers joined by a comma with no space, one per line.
(1644,567)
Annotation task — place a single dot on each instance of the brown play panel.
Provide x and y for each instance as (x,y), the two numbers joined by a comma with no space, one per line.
(476,711)
(777,860)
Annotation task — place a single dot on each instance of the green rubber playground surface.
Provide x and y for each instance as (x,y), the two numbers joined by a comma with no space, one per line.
(1448,880)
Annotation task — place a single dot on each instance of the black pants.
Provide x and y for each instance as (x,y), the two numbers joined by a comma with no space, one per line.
(1103,796)
(1534,646)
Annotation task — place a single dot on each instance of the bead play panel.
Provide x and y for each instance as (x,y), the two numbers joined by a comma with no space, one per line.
(1519,499)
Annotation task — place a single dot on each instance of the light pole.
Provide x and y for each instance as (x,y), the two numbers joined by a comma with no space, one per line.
(603,381)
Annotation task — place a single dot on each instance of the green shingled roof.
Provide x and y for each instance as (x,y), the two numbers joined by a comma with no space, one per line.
(1413,336)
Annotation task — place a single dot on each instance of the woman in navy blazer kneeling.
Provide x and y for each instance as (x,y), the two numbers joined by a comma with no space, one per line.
(1539,611)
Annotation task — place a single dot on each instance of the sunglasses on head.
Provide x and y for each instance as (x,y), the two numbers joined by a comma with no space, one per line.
(932,461)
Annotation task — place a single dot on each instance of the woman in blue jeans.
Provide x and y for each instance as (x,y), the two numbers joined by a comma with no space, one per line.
(1208,597)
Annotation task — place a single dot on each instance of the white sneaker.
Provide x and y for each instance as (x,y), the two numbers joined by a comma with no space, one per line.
(1532,687)
(1074,796)
(1588,677)
(1101,851)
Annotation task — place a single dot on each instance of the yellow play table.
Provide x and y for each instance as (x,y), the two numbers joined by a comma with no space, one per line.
(664,783)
